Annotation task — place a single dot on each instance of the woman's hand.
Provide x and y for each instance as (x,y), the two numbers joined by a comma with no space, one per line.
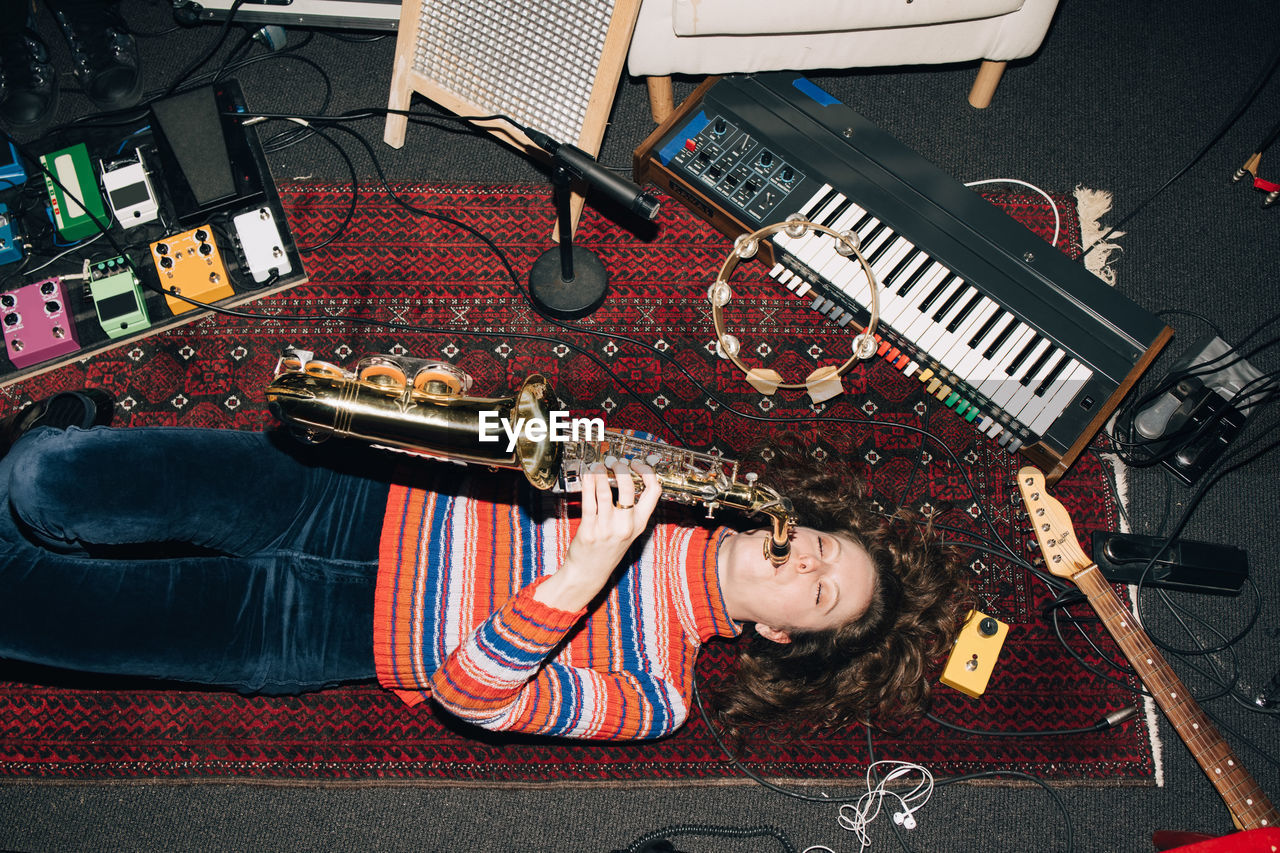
(605,533)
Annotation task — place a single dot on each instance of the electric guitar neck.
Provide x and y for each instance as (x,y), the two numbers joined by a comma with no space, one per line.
(1065,557)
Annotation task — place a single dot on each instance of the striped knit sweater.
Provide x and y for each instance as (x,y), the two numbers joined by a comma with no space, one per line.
(455,617)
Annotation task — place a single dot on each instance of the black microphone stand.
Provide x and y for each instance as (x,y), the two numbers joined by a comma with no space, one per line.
(570,282)
(567,282)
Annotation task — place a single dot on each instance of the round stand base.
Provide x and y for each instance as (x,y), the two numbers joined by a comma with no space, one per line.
(568,300)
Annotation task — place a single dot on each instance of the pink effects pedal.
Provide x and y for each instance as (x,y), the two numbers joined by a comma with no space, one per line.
(36,324)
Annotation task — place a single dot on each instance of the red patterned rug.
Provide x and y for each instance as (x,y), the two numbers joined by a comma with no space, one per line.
(406,268)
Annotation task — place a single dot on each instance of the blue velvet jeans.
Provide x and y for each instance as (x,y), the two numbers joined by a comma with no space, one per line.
(214,557)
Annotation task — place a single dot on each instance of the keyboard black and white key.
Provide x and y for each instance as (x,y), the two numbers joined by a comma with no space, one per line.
(1010,333)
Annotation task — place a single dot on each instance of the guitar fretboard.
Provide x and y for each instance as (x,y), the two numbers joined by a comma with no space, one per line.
(1246,801)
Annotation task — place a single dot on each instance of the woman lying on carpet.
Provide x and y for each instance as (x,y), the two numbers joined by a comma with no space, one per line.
(250,561)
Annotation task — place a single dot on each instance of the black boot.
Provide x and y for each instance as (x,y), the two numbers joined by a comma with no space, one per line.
(103,53)
(28,84)
(88,408)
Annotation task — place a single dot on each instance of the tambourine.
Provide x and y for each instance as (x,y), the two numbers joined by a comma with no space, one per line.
(824,382)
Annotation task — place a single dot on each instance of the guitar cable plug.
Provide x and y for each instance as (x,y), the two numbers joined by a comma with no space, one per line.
(1118,716)
(1109,720)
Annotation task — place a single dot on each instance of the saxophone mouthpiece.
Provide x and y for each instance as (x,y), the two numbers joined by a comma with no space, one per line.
(777,546)
(777,552)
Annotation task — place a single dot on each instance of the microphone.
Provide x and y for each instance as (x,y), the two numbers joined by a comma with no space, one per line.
(582,164)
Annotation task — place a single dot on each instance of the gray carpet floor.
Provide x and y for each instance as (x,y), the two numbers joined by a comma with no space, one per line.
(1120,98)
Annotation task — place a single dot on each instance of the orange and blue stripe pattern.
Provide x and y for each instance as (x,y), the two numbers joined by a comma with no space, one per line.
(455,617)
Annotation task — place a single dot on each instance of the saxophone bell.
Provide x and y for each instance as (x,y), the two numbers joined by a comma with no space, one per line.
(418,407)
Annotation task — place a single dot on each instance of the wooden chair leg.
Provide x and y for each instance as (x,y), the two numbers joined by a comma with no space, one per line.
(397,126)
(984,86)
(661,99)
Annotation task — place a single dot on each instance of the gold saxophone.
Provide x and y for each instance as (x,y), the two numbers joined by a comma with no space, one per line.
(421,407)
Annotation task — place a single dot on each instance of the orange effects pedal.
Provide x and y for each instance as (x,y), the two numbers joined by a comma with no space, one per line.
(190,265)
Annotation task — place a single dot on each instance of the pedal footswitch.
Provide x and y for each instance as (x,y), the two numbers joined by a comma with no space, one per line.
(974,656)
(190,264)
(117,297)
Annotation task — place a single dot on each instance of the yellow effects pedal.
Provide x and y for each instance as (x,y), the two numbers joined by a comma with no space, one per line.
(974,656)
(191,263)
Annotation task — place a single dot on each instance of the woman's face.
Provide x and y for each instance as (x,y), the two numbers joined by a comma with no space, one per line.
(826,582)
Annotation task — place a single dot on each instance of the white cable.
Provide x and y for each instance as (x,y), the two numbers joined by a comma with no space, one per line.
(69,250)
(857,816)
(1057,219)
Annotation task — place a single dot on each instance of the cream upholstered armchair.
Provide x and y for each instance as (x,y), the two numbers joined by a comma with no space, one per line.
(742,36)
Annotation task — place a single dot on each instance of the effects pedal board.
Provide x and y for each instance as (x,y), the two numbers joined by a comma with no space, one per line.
(36,324)
(191,265)
(144,225)
(974,656)
(261,246)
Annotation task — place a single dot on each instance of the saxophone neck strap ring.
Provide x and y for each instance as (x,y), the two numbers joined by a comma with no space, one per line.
(824,382)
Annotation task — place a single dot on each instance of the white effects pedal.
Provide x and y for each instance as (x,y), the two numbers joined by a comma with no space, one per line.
(261,244)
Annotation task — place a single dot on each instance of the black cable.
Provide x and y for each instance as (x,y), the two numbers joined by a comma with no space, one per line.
(1111,720)
(207,55)
(987,774)
(1085,665)
(246,40)
(642,844)
(1250,94)
(1109,476)
(354,39)
(355,195)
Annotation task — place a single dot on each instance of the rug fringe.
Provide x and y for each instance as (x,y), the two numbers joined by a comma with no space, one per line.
(1091,206)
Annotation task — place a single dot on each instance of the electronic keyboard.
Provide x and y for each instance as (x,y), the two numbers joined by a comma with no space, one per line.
(1018,339)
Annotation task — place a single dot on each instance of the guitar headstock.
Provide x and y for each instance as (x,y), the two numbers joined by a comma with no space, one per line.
(1063,554)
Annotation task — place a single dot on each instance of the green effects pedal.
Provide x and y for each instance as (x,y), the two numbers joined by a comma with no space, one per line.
(73,192)
(121,306)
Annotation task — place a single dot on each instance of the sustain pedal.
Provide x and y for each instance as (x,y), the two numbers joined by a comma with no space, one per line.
(1184,565)
(1204,410)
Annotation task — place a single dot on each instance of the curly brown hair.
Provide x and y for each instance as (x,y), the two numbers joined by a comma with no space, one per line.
(877,668)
